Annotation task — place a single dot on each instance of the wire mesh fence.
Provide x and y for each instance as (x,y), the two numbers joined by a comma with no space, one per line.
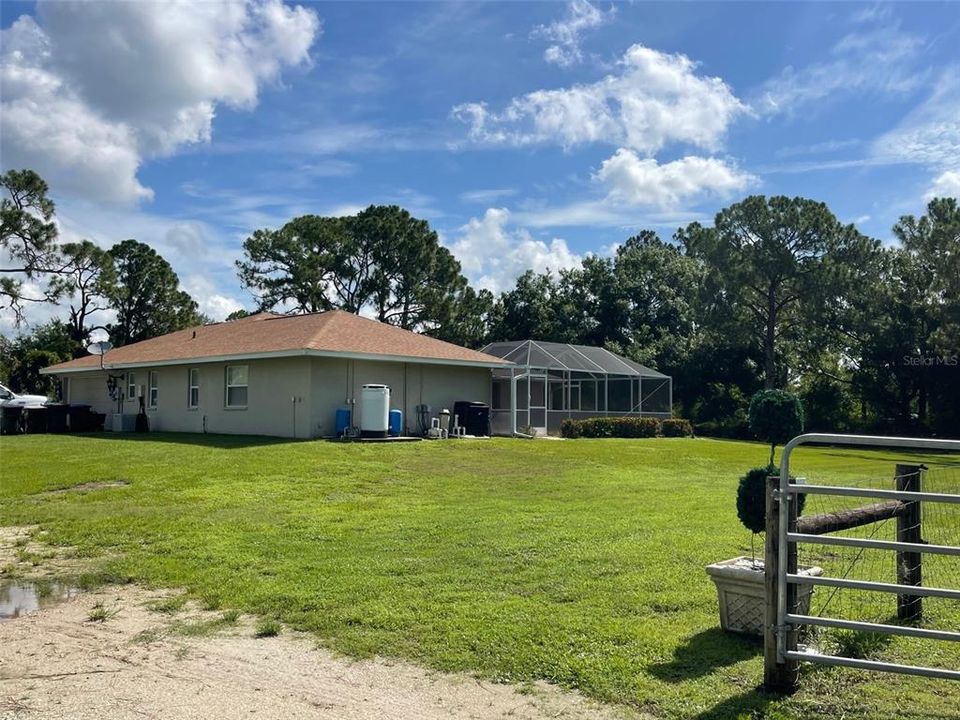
(938,525)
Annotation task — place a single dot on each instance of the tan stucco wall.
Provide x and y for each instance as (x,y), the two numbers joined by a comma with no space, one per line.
(89,389)
(272,386)
(321,385)
(337,383)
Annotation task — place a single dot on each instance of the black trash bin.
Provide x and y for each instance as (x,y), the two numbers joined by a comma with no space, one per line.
(36,419)
(10,420)
(473,416)
(79,418)
(57,417)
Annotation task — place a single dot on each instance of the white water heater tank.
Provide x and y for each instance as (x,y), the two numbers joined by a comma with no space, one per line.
(374,410)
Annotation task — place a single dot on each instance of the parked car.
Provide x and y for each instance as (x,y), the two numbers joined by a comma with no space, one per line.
(8,398)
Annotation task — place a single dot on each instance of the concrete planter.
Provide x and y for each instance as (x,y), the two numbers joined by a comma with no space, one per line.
(740,590)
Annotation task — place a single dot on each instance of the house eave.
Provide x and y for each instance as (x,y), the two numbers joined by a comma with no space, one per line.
(107,365)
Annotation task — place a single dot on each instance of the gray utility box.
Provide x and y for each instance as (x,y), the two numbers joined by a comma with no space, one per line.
(123,422)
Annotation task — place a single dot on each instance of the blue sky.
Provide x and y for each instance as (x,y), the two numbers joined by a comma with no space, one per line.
(528,134)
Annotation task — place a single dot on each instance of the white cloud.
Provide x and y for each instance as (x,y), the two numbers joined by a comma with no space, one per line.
(602,213)
(49,128)
(92,89)
(654,98)
(565,33)
(213,304)
(644,182)
(828,146)
(484,197)
(493,257)
(930,134)
(641,192)
(946,185)
(874,60)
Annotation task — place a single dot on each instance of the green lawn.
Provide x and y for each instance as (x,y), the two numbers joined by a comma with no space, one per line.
(577,562)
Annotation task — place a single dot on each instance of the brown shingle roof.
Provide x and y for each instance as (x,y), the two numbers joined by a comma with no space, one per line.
(330,333)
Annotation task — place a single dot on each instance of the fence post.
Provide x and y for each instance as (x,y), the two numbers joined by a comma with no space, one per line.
(777,676)
(909,564)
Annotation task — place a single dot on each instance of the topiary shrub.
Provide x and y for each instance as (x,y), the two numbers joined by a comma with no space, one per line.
(776,416)
(752,498)
(676,427)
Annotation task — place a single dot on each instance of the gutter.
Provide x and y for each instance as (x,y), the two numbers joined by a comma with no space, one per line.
(279,354)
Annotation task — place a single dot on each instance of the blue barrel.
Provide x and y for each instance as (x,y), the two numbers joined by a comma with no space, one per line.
(343,420)
(396,422)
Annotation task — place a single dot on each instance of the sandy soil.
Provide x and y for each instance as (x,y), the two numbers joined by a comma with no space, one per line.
(141,662)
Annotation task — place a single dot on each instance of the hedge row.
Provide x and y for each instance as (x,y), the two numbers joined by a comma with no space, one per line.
(625,427)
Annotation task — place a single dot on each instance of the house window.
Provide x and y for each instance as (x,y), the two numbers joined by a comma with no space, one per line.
(193,388)
(236,391)
(154,388)
(131,386)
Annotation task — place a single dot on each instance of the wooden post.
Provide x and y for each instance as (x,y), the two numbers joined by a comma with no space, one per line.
(777,677)
(909,564)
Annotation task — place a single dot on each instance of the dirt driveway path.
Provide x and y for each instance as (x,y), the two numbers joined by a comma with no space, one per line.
(181,662)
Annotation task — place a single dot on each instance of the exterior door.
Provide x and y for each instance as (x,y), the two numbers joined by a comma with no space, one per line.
(538,403)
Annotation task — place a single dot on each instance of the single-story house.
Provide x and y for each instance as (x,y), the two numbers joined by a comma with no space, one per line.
(282,375)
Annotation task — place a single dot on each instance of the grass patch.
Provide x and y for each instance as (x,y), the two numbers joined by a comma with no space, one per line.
(31,557)
(859,644)
(577,562)
(150,635)
(101,613)
(198,628)
(168,606)
(267,627)
(210,603)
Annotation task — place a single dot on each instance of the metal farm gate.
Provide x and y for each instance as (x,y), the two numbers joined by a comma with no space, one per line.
(902,505)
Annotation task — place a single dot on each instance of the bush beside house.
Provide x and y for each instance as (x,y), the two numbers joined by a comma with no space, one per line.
(625,427)
(676,427)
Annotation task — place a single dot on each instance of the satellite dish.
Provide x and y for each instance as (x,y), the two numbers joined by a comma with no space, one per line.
(99,348)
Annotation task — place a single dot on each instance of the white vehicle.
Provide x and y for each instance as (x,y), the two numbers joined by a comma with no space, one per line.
(8,398)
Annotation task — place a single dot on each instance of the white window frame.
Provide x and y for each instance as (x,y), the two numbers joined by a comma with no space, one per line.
(191,405)
(227,387)
(153,389)
(131,386)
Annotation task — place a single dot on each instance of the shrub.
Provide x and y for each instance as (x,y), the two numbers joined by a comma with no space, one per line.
(570,428)
(775,417)
(605,427)
(752,498)
(676,427)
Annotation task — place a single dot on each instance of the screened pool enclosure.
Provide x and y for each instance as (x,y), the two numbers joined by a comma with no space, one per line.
(553,381)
